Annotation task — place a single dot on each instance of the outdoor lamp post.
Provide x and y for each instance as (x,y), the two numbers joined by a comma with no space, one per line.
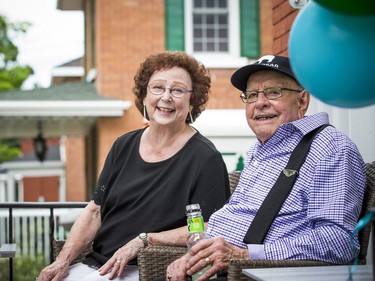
(40,145)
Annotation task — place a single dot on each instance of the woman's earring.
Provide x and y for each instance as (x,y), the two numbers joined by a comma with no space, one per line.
(146,122)
(144,112)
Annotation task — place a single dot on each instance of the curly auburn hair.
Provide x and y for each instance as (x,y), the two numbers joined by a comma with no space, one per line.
(200,77)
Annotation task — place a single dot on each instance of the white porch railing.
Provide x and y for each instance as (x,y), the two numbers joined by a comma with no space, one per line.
(32,226)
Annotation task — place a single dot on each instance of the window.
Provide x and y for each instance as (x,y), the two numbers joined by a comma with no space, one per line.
(210,26)
(219,33)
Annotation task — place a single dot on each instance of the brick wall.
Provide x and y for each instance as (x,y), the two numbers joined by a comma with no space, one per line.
(128,31)
(125,33)
(283,16)
(75,168)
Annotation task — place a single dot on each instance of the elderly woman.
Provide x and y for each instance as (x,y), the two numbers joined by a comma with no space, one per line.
(149,176)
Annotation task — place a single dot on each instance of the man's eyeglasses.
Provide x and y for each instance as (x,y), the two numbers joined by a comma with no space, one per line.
(159,89)
(271,93)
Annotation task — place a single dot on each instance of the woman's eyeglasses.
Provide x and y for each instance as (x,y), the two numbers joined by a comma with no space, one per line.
(175,91)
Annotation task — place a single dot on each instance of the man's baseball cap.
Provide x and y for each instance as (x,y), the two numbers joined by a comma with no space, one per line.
(268,62)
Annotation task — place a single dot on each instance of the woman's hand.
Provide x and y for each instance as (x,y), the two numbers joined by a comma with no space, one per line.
(54,272)
(116,265)
(81,234)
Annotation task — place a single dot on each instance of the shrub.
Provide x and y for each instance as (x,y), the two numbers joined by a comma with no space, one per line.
(24,268)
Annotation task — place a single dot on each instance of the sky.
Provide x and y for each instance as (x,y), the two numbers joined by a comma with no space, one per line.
(55,37)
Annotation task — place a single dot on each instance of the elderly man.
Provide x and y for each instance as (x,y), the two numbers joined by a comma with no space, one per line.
(316,220)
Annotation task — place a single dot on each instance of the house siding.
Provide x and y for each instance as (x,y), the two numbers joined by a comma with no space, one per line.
(119,35)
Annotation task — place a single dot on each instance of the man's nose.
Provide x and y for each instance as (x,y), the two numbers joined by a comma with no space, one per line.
(261,98)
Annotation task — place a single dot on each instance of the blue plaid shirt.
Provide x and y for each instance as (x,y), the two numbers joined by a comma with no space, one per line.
(316,220)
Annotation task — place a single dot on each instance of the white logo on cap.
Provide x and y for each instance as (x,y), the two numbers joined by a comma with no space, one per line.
(267,60)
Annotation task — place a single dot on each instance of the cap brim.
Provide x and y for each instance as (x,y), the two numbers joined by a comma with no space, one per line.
(240,76)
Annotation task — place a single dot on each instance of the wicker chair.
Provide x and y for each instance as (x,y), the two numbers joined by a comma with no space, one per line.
(153,261)
(58,244)
(173,252)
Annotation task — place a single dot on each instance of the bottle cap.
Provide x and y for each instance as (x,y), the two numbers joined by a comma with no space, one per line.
(193,208)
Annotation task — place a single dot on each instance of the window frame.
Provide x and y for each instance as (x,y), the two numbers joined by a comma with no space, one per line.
(230,59)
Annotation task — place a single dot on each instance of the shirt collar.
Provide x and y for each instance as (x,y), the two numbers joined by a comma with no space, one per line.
(309,123)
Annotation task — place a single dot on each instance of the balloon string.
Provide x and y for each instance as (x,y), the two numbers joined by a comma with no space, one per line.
(360,225)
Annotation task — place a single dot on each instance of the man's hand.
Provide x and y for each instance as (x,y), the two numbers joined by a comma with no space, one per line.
(215,252)
(54,272)
(177,269)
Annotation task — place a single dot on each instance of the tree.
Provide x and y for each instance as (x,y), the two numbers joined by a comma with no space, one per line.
(9,149)
(12,75)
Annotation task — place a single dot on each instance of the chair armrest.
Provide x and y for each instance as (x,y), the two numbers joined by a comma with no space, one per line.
(58,244)
(236,266)
(154,260)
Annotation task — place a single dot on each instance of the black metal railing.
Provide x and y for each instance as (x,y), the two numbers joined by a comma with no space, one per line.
(36,205)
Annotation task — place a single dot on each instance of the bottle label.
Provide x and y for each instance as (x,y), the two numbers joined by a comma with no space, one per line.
(195,224)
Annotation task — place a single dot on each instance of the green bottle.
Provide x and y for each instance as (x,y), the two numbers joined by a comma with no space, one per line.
(197,231)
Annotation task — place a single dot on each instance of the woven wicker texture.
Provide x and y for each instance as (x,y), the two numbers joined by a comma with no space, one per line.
(234,177)
(368,204)
(160,257)
(153,261)
(236,266)
(58,244)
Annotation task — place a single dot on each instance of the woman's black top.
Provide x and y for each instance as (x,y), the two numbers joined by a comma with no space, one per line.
(137,196)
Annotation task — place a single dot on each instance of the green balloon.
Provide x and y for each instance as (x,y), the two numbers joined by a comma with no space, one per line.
(349,7)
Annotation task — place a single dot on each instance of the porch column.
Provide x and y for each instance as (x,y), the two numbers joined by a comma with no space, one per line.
(19,179)
(3,179)
(11,189)
(62,188)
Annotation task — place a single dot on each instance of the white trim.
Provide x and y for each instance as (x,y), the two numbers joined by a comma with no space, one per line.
(91,75)
(62,149)
(229,132)
(227,123)
(64,108)
(34,168)
(188,10)
(354,122)
(71,71)
(217,60)
(16,171)
(220,60)
(234,28)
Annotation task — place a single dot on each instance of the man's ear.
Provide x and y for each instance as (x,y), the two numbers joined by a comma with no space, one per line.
(304,101)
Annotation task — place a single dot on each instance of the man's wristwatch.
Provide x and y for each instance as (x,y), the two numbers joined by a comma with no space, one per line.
(143,237)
